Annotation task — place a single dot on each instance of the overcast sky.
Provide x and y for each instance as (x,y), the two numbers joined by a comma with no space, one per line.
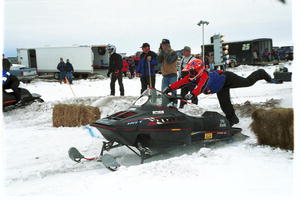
(129,23)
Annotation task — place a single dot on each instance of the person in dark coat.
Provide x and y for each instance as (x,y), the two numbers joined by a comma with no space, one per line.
(10,81)
(142,70)
(61,68)
(69,71)
(115,70)
(131,64)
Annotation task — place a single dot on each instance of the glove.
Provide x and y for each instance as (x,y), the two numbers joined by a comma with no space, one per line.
(149,58)
(117,72)
(167,90)
(108,74)
(189,96)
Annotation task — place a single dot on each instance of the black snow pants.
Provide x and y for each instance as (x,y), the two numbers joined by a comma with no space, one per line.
(13,83)
(145,81)
(232,80)
(114,78)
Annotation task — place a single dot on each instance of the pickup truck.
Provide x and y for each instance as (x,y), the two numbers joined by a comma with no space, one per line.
(23,73)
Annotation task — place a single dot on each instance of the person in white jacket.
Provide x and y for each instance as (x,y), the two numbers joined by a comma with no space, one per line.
(187,57)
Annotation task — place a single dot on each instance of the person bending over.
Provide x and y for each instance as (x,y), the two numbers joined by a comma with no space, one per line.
(210,82)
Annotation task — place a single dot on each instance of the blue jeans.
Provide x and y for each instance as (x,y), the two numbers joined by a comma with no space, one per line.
(62,75)
(166,81)
(69,76)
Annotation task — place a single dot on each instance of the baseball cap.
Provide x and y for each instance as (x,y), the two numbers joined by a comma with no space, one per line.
(186,48)
(165,41)
(145,45)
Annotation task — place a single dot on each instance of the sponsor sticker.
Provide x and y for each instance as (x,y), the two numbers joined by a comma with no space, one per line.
(208,136)
(141,101)
(158,112)
(222,123)
(134,122)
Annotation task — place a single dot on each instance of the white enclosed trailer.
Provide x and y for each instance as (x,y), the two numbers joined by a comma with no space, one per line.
(86,59)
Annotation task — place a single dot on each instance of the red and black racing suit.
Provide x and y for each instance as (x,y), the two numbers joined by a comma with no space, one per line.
(220,82)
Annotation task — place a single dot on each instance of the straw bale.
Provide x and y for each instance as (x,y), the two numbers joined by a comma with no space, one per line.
(274,127)
(72,115)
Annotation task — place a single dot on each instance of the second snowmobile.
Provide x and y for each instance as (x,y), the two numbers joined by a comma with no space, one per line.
(10,101)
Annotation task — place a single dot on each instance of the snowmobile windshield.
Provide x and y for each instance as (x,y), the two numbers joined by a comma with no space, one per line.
(151,97)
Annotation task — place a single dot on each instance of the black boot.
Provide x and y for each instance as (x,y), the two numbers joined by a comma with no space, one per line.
(233,120)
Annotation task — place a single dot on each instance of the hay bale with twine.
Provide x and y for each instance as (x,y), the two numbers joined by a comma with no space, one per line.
(72,115)
(274,127)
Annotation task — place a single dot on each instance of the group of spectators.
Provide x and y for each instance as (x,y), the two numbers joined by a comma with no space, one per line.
(270,55)
(146,66)
(65,70)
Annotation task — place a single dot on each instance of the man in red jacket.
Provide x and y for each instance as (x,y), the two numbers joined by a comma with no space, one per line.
(210,82)
(125,67)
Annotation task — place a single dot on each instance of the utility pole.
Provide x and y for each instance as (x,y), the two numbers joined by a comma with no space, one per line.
(203,49)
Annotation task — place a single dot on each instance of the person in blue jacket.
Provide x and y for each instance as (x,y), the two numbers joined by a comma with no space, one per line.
(10,81)
(61,68)
(146,67)
(69,71)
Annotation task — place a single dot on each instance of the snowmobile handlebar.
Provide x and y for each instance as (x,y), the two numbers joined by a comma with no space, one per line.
(172,97)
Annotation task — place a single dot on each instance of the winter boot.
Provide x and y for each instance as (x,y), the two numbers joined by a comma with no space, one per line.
(233,120)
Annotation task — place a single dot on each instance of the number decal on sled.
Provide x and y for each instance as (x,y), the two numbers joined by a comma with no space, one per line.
(208,136)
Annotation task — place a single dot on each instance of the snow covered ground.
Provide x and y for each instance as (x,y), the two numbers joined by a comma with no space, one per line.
(37,164)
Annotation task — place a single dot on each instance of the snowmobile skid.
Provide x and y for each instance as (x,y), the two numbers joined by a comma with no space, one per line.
(142,152)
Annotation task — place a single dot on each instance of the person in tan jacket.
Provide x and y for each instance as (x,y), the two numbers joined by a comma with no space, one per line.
(167,57)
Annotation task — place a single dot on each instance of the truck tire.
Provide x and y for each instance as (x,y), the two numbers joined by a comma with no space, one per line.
(84,76)
(76,75)
(56,75)
(25,81)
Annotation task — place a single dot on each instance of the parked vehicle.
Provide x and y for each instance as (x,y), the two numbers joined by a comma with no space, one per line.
(23,73)
(231,61)
(286,53)
(86,59)
(247,52)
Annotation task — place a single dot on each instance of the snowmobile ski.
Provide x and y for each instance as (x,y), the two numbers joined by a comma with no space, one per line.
(107,160)
(75,155)
(110,162)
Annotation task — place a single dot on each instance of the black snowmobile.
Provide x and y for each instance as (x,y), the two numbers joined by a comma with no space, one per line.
(153,123)
(10,102)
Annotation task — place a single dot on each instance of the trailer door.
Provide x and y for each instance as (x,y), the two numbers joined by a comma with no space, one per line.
(32,58)
(23,57)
